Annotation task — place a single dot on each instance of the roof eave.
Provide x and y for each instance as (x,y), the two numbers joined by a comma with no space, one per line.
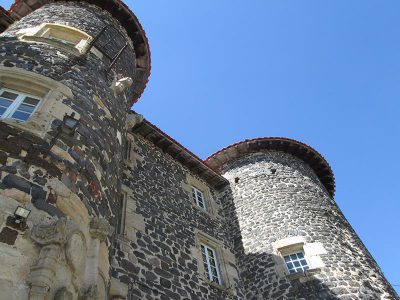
(179,153)
(309,155)
(127,19)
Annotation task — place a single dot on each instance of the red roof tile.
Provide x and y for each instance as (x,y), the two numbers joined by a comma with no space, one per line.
(309,155)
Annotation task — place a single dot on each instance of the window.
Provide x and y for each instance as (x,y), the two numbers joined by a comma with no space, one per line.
(62,36)
(294,255)
(198,198)
(216,262)
(122,213)
(16,105)
(128,149)
(296,262)
(210,262)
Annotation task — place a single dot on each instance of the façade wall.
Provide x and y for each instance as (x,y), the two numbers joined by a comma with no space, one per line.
(96,148)
(63,250)
(281,206)
(158,254)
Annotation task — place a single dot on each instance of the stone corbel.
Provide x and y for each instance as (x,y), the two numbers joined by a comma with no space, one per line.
(132,120)
(121,85)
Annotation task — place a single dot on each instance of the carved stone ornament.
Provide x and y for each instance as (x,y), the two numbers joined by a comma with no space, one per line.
(52,233)
(121,85)
(89,293)
(76,252)
(132,120)
(63,294)
(100,228)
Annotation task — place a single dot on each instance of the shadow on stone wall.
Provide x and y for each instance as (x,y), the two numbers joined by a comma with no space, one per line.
(262,282)
(258,277)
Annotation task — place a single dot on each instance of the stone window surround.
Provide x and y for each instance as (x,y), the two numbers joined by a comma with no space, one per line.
(61,36)
(296,257)
(133,222)
(49,90)
(312,253)
(222,259)
(205,189)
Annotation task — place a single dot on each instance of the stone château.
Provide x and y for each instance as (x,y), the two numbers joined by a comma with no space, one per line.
(98,203)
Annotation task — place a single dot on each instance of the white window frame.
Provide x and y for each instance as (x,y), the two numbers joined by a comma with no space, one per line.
(16,104)
(196,194)
(312,252)
(208,264)
(288,258)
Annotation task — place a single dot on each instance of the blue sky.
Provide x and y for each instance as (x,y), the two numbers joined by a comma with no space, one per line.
(325,73)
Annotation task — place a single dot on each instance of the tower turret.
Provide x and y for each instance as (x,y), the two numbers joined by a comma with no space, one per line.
(69,72)
(293,242)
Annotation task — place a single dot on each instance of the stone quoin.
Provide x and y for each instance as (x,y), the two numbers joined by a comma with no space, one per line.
(98,203)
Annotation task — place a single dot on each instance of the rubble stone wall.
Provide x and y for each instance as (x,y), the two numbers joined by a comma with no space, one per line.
(80,177)
(92,162)
(158,256)
(281,204)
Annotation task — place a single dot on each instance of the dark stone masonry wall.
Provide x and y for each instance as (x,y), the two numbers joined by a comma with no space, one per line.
(272,196)
(162,265)
(95,148)
(278,196)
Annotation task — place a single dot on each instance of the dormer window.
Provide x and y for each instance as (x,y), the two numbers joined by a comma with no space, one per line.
(61,36)
(16,105)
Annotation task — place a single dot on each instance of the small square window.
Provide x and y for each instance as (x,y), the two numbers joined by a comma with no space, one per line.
(296,262)
(210,262)
(16,105)
(198,198)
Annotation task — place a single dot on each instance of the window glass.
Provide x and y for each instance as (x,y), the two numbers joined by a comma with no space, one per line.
(296,262)
(210,262)
(15,105)
(121,217)
(6,99)
(128,149)
(198,198)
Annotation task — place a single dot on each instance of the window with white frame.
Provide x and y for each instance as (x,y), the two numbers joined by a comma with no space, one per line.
(296,262)
(198,197)
(210,262)
(16,105)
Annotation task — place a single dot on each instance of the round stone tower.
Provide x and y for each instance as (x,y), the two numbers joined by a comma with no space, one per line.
(69,72)
(292,240)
